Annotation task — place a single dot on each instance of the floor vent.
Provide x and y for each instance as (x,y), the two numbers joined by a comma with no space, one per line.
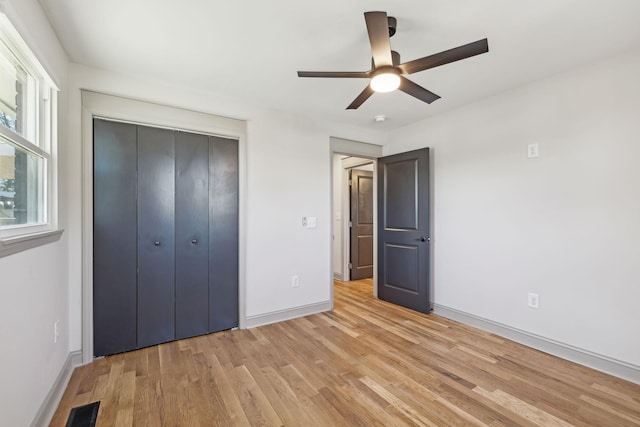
(84,416)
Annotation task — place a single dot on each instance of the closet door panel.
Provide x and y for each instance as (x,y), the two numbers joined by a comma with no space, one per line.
(192,235)
(156,236)
(114,237)
(223,233)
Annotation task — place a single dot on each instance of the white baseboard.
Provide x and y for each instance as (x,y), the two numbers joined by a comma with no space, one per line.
(50,404)
(282,315)
(587,358)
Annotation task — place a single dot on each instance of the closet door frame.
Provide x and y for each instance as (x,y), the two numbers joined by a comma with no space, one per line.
(98,105)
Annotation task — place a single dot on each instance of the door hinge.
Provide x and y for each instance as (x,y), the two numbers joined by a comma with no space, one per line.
(350,182)
(350,266)
(350,224)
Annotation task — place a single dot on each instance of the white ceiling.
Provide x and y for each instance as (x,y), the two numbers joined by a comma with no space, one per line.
(251,49)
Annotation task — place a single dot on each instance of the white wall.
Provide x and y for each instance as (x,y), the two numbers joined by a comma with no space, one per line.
(565,225)
(33,283)
(282,190)
(288,177)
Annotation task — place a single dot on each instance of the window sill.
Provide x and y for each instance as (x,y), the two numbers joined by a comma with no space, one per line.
(15,244)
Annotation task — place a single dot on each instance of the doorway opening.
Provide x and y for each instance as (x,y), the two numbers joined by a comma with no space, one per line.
(353,218)
(346,157)
(400,222)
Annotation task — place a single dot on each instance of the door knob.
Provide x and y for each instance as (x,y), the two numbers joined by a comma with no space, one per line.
(422,239)
(157,243)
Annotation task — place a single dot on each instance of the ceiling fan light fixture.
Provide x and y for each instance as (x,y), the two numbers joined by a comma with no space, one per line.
(387,73)
(385,81)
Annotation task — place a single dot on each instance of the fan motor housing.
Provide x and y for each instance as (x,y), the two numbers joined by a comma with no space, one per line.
(395,60)
(393,24)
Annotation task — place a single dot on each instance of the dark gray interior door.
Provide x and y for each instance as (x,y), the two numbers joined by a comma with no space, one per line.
(192,234)
(156,236)
(403,229)
(223,233)
(114,237)
(361,241)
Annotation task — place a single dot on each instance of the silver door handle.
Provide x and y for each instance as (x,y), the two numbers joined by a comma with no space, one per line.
(157,243)
(422,239)
(194,241)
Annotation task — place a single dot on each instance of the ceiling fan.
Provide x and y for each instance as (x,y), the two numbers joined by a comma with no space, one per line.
(387,73)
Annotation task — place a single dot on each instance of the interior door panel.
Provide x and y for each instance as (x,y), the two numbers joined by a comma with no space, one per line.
(403,229)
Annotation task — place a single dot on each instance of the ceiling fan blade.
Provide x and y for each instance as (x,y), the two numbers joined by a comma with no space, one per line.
(364,95)
(343,74)
(378,29)
(417,91)
(451,55)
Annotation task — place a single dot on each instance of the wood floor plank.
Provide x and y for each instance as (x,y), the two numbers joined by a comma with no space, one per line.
(412,414)
(617,395)
(616,412)
(223,381)
(522,408)
(366,363)
(253,399)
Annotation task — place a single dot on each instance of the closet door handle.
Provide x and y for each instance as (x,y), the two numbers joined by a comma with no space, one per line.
(194,241)
(157,243)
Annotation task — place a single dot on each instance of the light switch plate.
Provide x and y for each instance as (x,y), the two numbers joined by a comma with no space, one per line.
(311,222)
(533,300)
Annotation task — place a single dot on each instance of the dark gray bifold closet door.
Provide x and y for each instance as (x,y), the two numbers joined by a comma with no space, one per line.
(165,235)
(114,237)
(156,234)
(223,233)
(192,234)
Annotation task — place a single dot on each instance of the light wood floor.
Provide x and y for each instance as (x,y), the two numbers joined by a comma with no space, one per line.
(366,363)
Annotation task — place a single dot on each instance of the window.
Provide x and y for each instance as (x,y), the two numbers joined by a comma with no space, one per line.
(27,135)
(21,186)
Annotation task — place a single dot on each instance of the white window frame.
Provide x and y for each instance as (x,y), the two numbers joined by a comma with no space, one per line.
(41,141)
